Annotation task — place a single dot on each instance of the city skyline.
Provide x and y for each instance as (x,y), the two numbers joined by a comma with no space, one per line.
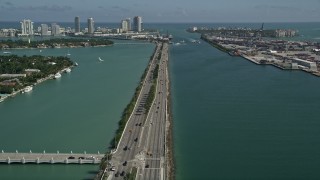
(167,11)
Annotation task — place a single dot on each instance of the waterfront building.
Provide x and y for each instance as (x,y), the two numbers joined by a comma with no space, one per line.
(55,29)
(285,33)
(137,23)
(129,24)
(124,26)
(311,65)
(26,27)
(77,24)
(44,30)
(8,32)
(90,25)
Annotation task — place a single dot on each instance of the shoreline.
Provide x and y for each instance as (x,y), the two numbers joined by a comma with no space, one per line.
(39,81)
(276,65)
(63,47)
(169,132)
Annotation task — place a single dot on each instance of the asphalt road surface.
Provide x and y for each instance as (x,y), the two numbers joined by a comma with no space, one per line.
(142,144)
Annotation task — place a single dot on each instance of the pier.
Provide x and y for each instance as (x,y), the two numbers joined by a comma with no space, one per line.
(49,158)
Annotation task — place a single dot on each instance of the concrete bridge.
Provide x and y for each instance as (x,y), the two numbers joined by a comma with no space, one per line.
(50,158)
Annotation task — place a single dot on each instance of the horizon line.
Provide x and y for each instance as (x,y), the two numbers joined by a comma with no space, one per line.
(178,22)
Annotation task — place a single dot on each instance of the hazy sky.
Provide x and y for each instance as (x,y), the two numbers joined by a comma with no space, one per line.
(163,10)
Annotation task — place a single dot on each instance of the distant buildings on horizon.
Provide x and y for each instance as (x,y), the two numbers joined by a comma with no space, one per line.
(27,28)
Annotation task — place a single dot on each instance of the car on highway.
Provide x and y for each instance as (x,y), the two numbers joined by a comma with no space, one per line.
(125,163)
(91,158)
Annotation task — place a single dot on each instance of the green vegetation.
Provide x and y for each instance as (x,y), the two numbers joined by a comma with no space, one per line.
(152,92)
(13,64)
(6,89)
(53,43)
(132,175)
(150,97)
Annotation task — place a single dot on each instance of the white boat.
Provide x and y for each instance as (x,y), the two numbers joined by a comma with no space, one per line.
(68,54)
(76,63)
(28,89)
(100,59)
(40,50)
(6,52)
(68,70)
(57,75)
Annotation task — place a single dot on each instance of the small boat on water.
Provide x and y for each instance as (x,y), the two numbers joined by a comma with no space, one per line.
(57,75)
(6,52)
(68,70)
(27,89)
(68,54)
(76,63)
(100,59)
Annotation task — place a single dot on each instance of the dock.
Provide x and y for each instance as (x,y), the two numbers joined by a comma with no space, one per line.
(49,158)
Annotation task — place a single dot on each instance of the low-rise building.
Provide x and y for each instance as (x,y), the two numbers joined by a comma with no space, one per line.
(12,75)
(311,65)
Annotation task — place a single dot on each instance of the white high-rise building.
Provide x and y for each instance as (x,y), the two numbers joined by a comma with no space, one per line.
(90,26)
(124,26)
(44,30)
(55,29)
(137,23)
(129,24)
(26,27)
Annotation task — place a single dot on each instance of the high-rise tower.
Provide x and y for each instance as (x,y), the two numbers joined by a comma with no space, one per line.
(77,24)
(90,25)
(44,30)
(137,23)
(26,27)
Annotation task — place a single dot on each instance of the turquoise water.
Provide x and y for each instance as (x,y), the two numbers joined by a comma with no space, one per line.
(78,112)
(236,120)
(232,119)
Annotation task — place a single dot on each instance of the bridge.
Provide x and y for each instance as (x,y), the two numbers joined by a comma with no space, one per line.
(50,158)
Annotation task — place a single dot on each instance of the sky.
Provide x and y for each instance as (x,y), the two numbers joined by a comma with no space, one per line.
(162,10)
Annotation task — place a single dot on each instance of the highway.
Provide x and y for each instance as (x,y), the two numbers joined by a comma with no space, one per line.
(142,144)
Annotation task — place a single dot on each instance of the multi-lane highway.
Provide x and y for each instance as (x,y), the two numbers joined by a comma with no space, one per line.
(142,144)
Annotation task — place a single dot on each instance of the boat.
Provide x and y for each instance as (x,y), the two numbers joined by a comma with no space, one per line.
(100,59)
(6,52)
(68,54)
(57,75)
(76,63)
(68,70)
(40,50)
(28,89)
(1,99)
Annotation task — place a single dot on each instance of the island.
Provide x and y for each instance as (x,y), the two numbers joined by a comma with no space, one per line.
(265,47)
(20,74)
(55,43)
